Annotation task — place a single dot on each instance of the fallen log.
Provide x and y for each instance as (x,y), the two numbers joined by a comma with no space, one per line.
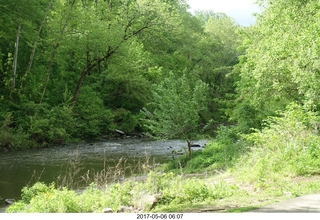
(120,132)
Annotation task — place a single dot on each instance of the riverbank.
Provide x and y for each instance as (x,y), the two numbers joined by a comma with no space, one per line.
(208,192)
(252,171)
(230,194)
(112,136)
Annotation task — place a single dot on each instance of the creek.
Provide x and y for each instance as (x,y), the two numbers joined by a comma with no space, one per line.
(22,168)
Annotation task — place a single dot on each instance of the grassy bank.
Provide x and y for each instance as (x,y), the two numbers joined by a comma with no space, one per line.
(234,173)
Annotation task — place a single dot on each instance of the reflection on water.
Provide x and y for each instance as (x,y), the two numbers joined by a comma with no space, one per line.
(18,169)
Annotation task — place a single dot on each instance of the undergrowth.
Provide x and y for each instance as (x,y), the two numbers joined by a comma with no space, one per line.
(218,155)
(170,190)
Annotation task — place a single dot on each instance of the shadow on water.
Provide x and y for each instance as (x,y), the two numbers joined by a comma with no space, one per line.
(22,168)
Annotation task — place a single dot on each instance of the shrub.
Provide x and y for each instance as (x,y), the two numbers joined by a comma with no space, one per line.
(11,138)
(118,195)
(172,190)
(126,121)
(93,119)
(41,198)
(55,201)
(53,126)
(288,145)
(38,188)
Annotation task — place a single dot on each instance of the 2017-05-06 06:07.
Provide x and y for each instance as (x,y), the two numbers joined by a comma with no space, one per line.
(159,216)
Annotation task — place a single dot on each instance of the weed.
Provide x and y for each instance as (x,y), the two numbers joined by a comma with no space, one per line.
(72,178)
(35,177)
(109,174)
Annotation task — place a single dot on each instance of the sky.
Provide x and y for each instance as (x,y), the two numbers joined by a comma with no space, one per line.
(240,10)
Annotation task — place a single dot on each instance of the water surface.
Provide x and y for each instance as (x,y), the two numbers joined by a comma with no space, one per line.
(18,169)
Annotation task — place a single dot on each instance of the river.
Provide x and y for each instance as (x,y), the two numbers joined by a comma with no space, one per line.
(18,169)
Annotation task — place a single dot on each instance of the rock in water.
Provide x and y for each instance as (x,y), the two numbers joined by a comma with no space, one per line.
(9,201)
(195,145)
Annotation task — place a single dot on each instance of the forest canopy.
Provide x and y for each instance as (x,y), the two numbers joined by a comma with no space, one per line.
(73,70)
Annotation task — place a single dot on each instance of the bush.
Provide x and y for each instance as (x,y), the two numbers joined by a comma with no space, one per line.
(157,182)
(288,145)
(93,119)
(216,155)
(186,191)
(50,125)
(36,125)
(126,121)
(37,189)
(56,201)
(11,138)
(41,198)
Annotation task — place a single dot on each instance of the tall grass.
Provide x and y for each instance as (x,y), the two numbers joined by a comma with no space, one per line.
(72,178)
(76,176)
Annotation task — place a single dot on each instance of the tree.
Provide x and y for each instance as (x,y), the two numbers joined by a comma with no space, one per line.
(220,43)
(19,20)
(124,23)
(176,109)
(281,62)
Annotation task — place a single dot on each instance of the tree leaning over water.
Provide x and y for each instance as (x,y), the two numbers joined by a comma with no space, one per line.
(81,69)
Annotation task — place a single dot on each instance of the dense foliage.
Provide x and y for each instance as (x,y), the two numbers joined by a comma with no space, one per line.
(74,70)
(80,69)
(280,64)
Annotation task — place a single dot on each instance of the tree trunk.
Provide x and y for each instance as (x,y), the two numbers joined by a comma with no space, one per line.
(189,148)
(49,71)
(15,61)
(87,69)
(56,49)
(36,42)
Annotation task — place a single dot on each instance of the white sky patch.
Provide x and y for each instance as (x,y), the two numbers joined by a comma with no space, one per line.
(240,10)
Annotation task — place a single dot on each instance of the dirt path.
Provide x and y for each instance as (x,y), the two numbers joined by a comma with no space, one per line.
(302,204)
